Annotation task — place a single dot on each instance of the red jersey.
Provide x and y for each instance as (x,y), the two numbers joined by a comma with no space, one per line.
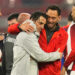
(13,29)
(58,40)
(71,57)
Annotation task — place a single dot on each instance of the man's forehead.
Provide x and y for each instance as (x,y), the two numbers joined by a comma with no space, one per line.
(41,18)
(73,8)
(52,13)
(12,21)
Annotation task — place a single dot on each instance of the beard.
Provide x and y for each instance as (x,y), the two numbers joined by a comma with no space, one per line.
(74,19)
(51,25)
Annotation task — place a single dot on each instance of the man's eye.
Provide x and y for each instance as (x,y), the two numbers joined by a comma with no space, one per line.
(41,23)
(53,18)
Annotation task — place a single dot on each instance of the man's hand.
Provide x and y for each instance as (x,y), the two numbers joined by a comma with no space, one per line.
(1,37)
(26,27)
(63,71)
(0,54)
(61,54)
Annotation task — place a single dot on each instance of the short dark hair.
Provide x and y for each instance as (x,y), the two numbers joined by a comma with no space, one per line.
(54,7)
(36,15)
(70,17)
(13,16)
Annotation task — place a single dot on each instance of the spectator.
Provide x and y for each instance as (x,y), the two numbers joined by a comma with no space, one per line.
(8,43)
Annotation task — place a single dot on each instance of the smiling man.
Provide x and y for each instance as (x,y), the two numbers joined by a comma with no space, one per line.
(51,38)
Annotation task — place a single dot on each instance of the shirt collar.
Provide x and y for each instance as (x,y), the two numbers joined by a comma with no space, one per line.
(56,29)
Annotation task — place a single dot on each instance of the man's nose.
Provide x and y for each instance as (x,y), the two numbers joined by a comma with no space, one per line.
(50,20)
(42,27)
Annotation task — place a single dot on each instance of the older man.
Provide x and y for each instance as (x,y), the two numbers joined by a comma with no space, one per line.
(10,39)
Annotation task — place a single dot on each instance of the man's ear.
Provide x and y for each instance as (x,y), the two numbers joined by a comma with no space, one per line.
(59,18)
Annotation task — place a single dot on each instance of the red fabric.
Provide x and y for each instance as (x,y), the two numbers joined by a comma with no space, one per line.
(66,27)
(0,60)
(13,29)
(73,68)
(58,40)
(73,44)
(71,57)
(65,52)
